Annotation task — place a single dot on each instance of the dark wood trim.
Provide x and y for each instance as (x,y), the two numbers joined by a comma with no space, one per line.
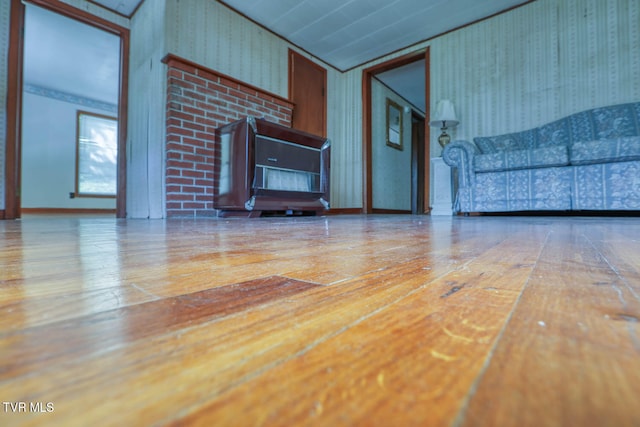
(426,208)
(57,211)
(344,211)
(174,60)
(123,125)
(14,98)
(2,214)
(14,107)
(390,212)
(367,76)
(367,188)
(417,165)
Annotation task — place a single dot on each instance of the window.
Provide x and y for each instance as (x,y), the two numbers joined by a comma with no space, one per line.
(96,155)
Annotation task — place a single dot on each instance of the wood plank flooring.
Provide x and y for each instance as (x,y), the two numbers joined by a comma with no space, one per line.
(380,320)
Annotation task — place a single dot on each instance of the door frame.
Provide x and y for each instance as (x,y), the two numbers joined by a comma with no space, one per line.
(367,76)
(13,164)
(417,166)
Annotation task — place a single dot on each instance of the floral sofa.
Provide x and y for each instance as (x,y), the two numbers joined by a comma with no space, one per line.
(586,161)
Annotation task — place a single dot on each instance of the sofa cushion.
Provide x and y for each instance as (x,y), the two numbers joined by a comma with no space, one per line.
(509,142)
(605,151)
(554,133)
(615,121)
(522,159)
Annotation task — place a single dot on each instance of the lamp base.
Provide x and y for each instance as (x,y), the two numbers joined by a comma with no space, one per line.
(444,138)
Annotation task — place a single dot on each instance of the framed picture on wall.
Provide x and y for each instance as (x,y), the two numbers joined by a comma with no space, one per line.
(394,125)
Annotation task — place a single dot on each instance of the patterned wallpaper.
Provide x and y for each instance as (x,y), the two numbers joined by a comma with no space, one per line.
(532,65)
(560,57)
(212,35)
(344,128)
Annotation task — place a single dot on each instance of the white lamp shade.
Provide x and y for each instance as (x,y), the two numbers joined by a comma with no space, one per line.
(445,115)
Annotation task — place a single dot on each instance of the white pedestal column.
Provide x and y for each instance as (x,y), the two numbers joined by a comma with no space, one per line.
(442,197)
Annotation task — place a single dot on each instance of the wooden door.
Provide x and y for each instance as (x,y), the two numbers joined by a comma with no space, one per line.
(417,164)
(307,91)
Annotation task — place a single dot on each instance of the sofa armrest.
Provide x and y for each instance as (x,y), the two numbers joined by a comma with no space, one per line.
(459,155)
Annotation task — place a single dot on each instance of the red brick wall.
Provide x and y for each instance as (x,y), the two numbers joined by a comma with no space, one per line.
(200,100)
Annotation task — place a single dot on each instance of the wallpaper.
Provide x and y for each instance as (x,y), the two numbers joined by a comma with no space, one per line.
(532,65)
(212,35)
(560,57)
(391,177)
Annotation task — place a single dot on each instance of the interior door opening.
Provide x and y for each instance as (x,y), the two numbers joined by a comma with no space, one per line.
(66,111)
(397,181)
(69,115)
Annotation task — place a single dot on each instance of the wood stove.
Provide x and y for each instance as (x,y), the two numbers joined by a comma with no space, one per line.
(268,168)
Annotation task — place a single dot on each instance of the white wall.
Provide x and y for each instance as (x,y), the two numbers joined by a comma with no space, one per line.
(49,154)
(391,168)
(146,125)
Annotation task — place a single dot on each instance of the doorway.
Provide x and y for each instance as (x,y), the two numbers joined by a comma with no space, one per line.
(66,111)
(415,184)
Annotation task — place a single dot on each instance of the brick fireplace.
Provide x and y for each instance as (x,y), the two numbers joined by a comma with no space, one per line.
(200,100)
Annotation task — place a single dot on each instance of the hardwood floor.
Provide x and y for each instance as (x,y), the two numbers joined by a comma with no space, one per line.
(337,321)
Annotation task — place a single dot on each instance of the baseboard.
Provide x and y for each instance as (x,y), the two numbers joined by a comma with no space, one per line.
(390,211)
(344,211)
(58,211)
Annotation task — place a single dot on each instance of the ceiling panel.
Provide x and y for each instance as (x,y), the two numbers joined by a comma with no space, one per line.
(348,33)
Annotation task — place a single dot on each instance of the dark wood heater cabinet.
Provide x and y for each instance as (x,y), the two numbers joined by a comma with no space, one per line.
(268,168)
